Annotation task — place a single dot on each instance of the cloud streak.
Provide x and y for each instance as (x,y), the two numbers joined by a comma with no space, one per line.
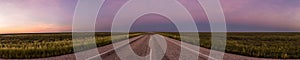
(241,15)
(17,16)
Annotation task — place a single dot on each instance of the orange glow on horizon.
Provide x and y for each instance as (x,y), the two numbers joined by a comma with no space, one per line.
(34,29)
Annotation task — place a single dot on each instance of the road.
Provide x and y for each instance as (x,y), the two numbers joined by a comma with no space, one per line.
(141,47)
(151,47)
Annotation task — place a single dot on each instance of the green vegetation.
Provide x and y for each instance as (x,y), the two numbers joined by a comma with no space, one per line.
(24,46)
(283,45)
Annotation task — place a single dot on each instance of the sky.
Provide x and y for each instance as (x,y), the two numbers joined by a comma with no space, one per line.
(35,16)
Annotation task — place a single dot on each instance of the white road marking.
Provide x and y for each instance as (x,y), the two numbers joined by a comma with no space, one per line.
(192,49)
(151,51)
(112,49)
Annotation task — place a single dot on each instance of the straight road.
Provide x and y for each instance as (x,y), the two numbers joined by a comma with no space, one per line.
(141,47)
(143,51)
(151,47)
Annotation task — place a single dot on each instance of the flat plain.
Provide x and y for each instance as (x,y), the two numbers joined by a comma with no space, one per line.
(270,45)
(40,45)
(253,44)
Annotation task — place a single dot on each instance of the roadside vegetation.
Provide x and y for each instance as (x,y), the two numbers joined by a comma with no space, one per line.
(25,46)
(282,45)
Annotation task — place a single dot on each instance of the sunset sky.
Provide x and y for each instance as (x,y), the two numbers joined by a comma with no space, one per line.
(28,16)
